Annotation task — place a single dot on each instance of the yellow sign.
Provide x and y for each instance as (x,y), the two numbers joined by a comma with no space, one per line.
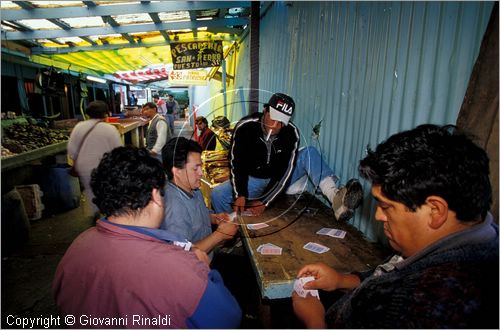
(188,77)
(196,54)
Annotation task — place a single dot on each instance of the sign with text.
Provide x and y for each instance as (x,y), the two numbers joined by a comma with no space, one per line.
(188,77)
(196,54)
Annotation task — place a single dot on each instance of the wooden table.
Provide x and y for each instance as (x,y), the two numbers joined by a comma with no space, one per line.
(136,128)
(293,222)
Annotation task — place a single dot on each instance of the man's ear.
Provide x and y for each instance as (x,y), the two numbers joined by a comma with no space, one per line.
(175,172)
(439,211)
(156,197)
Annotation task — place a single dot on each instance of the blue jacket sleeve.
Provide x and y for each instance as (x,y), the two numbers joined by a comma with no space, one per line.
(217,307)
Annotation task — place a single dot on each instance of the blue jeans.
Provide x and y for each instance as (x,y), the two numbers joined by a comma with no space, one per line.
(170,120)
(309,162)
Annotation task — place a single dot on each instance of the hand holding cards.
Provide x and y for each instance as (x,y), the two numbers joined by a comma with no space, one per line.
(298,286)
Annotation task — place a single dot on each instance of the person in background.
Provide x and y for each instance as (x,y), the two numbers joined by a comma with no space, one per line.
(265,159)
(88,141)
(127,269)
(206,138)
(133,99)
(186,213)
(172,110)
(433,194)
(160,104)
(158,133)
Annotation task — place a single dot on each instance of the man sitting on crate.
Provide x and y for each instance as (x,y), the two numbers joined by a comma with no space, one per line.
(433,194)
(265,159)
(185,211)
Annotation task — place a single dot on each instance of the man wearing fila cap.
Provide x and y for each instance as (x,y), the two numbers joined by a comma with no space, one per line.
(265,159)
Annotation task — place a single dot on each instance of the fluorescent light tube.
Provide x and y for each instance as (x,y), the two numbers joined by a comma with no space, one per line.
(96,79)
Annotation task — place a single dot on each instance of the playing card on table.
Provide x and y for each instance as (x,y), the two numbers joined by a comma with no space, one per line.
(331,232)
(255,226)
(269,249)
(298,286)
(266,245)
(315,247)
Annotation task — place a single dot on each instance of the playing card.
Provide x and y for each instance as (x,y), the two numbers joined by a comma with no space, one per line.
(268,250)
(255,226)
(298,286)
(337,233)
(315,247)
(324,231)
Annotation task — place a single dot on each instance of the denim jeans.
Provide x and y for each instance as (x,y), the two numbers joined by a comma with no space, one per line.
(170,120)
(309,162)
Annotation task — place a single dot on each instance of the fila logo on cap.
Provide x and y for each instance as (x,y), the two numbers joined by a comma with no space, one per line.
(281,107)
(284,107)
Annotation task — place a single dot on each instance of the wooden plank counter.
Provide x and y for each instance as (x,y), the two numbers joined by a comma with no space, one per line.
(136,128)
(293,222)
(27,157)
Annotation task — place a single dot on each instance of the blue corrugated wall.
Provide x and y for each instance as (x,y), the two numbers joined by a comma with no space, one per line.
(368,70)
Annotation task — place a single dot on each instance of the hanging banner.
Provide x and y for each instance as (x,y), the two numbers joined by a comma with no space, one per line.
(196,54)
(188,77)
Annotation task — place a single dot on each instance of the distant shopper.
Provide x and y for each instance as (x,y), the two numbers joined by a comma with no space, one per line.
(160,104)
(185,211)
(158,133)
(206,138)
(172,110)
(433,194)
(88,141)
(126,270)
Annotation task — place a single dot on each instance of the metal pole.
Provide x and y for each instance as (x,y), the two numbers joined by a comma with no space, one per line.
(224,86)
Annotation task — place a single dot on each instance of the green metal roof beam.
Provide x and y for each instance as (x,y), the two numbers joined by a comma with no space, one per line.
(133,28)
(125,9)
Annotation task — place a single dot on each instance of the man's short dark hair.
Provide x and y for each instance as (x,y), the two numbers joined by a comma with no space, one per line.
(432,160)
(202,119)
(175,153)
(124,180)
(151,105)
(156,96)
(97,109)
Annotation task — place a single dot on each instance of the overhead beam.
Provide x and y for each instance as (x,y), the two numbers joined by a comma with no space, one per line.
(46,34)
(66,50)
(156,19)
(90,41)
(106,10)
(111,21)
(59,23)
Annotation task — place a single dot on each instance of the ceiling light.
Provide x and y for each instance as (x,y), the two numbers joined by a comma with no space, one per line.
(96,79)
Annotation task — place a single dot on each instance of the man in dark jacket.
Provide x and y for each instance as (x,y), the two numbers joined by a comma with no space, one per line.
(433,194)
(265,159)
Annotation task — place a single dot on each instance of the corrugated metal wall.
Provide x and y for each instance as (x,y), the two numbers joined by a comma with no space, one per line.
(367,70)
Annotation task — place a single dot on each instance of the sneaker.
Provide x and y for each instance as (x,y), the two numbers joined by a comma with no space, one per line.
(347,199)
(298,186)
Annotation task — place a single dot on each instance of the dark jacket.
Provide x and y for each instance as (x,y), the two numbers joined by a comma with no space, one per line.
(251,156)
(452,283)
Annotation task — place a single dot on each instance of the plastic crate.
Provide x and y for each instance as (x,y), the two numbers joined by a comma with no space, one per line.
(32,200)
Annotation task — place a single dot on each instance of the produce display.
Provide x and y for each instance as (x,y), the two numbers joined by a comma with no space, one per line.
(19,138)
(215,166)
(224,135)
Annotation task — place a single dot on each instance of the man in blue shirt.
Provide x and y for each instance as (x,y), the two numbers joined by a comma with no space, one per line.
(185,211)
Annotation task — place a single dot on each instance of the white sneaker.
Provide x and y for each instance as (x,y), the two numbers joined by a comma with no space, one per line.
(298,186)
